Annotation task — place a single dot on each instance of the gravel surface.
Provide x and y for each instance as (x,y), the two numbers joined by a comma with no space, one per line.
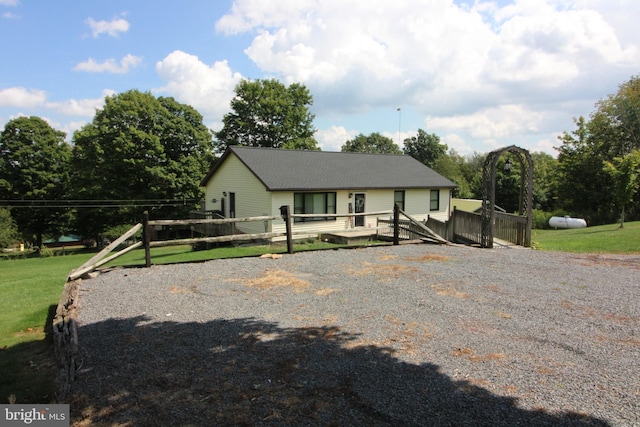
(395,335)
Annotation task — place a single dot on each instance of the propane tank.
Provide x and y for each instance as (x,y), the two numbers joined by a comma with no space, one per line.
(566,222)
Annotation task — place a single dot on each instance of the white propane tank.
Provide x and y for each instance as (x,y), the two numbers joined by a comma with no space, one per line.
(566,222)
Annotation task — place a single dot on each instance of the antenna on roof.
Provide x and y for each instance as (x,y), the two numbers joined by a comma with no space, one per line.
(399,123)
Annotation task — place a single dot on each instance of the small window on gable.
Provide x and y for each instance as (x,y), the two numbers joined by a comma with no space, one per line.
(398,198)
(434,203)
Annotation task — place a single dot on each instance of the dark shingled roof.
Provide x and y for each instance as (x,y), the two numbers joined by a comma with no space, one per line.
(303,170)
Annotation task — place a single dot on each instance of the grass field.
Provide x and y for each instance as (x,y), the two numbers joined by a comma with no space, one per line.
(30,289)
(601,239)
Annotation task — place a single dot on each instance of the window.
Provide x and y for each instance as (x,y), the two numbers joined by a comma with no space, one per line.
(398,198)
(434,204)
(314,203)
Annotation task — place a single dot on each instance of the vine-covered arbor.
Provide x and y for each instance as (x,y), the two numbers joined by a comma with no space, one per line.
(489,195)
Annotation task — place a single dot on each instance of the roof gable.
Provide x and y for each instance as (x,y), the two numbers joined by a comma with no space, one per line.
(304,170)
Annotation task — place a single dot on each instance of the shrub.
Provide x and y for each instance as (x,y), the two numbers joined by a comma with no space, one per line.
(541,218)
(45,252)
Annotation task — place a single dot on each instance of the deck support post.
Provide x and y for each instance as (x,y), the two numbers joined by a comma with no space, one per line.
(396,224)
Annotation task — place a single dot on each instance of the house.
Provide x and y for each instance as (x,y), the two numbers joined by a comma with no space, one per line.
(249,182)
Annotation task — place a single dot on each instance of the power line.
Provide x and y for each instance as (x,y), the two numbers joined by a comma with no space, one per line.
(96,203)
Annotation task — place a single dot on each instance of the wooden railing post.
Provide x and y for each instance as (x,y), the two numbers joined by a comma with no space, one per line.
(146,236)
(451,226)
(396,224)
(285,211)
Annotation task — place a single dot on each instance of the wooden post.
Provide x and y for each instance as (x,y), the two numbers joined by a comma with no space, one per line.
(451,226)
(146,236)
(285,211)
(396,224)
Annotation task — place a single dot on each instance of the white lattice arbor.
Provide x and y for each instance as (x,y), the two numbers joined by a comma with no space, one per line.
(489,193)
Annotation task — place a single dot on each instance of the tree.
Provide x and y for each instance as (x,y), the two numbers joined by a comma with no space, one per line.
(425,148)
(545,181)
(625,172)
(580,165)
(374,143)
(142,151)
(266,113)
(612,131)
(8,229)
(619,117)
(34,169)
(451,166)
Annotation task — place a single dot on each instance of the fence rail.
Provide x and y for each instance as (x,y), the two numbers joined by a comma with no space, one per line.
(441,228)
(463,227)
(511,228)
(467,227)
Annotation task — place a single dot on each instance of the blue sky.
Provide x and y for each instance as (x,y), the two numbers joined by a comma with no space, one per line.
(480,74)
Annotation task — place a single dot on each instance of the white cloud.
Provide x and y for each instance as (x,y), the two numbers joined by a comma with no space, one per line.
(69,127)
(502,122)
(127,63)
(22,98)
(439,57)
(10,15)
(9,2)
(333,139)
(247,15)
(208,88)
(80,107)
(456,142)
(112,28)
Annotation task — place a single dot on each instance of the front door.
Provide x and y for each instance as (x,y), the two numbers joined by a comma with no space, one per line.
(359,208)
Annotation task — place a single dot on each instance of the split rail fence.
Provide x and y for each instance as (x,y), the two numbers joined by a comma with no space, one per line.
(462,227)
(396,229)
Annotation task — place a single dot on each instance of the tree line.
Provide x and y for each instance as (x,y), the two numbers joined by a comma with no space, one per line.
(142,152)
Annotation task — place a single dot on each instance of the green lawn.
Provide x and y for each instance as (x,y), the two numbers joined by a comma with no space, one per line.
(28,287)
(601,239)
(29,292)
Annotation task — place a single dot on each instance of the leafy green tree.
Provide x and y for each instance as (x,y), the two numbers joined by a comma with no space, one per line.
(619,119)
(584,188)
(472,171)
(585,183)
(266,113)
(374,143)
(143,151)
(545,181)
(625,172)
(451,165)
(8,229)
(507,185)
(425,148)
(34,170)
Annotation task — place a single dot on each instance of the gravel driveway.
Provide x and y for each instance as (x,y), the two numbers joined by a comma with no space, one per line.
(397,335)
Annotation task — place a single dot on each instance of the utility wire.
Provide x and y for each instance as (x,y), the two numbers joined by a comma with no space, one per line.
(84,203)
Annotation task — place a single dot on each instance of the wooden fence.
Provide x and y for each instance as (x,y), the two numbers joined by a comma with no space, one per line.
(408,228)
(511,228)
(466,227)
(440,227)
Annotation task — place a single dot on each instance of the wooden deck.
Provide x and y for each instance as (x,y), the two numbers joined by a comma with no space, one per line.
(347,237)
